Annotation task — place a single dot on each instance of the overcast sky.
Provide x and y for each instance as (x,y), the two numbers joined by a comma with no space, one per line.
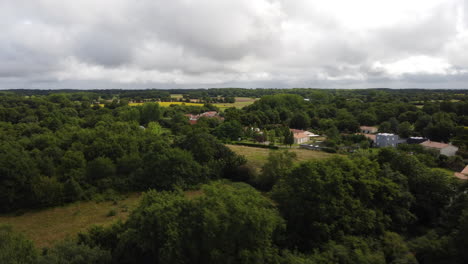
(233,43)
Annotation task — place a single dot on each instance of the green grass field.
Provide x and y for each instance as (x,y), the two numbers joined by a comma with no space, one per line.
(47,226)
(258,156)
(44,227)
(240,102)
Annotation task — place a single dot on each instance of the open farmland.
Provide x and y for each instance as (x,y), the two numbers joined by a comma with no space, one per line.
(258,156)
(240,103)
(167,104)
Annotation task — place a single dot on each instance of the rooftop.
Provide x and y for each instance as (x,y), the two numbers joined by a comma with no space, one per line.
(434,144)
(368,128)
(465,170)
(385,134)
(461,176)
(300,135)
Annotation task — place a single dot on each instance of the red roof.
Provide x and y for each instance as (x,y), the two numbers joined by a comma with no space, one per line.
(300,135)
(370,128)
(209,114)
(296,131)
(465,170)
(370,136)
(461,176)
(433,144)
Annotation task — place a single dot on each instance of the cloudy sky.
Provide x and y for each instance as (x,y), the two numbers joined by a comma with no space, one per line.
(233,43)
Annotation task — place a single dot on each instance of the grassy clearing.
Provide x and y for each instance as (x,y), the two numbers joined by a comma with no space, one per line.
(167,104)
(47,226)
(44,227)
(240,103)
(176,96)
(258,156)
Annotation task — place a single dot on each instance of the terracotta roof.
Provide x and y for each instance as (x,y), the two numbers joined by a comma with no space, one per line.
(370,136)
(461,176)
(465,170)
(300,135)
(368,128)
(433,144)
(296,131)
(209,114)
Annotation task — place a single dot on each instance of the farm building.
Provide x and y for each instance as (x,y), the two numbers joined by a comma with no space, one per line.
(308,133)
(386,140)
(416,140)
(441,148)
(300,138)
(211,114)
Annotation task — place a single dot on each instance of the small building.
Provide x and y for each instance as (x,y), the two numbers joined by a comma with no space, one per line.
(308,133)
(211,114)
(386,140)
(300,138)
(463,175)
(442,148)
(416,140)
(368,129)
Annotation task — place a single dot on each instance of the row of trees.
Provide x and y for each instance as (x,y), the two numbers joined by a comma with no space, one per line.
(369,208)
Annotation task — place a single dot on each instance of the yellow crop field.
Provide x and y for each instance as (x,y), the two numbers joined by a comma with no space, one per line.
(240,102)
(167,104)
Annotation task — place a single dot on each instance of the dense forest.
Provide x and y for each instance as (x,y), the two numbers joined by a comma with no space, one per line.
(363,205)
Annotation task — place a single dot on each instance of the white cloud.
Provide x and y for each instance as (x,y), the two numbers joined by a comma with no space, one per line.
(226,42)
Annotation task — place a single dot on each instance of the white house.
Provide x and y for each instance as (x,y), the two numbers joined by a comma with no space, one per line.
(386,140)
(300,138)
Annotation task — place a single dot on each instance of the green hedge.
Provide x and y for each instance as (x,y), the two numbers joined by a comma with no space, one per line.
(255,145)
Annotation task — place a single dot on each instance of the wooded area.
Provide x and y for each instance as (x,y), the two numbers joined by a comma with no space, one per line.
(367,205)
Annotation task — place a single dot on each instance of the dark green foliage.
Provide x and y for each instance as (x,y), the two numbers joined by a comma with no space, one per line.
(279,164)
(150,112)
(173,167)
(324,200)
(230,130)
(15,249)
(300,121)
(208,151)
(226,224)
(59,147)
(100,168)
(255,145)
(70,252)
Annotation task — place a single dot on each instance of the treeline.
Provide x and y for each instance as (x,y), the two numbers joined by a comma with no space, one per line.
(54,151)
(367,95)
(384,207)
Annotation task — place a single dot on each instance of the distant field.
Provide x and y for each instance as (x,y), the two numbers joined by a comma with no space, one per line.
(258,156)
(240,102)
(167,104)
(44,227)
(176,96)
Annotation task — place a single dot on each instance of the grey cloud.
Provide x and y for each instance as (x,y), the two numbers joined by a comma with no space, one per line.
(104,45)
(265,43)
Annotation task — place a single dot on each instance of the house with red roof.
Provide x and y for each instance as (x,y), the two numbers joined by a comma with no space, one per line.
(193,119)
